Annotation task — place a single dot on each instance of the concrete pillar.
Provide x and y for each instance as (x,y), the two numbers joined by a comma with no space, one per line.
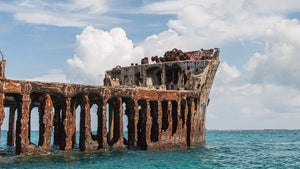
(193,127)
(116,124)
(2,113)
(22,136)
(67,124)
(104,128)
(29,121)
(129,112)
(2,67)
(170,118)
(133,76)
(99,136)
(74,133)
(111,122)
(179,123)
(148,124)
(119,145)
(188,121)
(159,121)
(11,127)
(154,124)
(86,142)
(185,115)
(46,125)
(57,125)
(121,131)
(142,124)
(163,75)
(136,120)
(180,132)
(202,110)
(144,75)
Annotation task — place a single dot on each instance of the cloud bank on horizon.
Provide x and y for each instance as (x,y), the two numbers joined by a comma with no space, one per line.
(263,92)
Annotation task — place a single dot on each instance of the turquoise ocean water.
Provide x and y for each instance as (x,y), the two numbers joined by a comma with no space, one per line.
(223,149)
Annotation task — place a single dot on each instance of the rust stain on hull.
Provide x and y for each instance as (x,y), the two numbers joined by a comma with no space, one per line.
(165,104)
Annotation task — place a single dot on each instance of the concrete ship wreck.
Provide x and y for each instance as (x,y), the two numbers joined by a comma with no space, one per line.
(165,104)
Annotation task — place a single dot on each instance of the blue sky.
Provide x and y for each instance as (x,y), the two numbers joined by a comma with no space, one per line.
(257,85)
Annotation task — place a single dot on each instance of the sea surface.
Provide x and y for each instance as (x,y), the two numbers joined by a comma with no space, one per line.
(223,149)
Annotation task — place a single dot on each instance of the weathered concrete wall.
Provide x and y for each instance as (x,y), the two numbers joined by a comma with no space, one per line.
(158,119)
(175,71)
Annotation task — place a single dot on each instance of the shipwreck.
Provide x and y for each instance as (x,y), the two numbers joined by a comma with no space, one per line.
(165,103)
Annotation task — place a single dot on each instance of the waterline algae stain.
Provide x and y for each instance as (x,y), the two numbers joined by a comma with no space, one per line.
(224,149)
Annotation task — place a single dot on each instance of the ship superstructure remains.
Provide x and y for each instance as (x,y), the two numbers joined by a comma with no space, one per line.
(165,105)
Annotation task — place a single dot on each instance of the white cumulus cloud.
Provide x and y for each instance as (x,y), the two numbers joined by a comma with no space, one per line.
(209,24)
(266,93)
(97,50)
(280,64)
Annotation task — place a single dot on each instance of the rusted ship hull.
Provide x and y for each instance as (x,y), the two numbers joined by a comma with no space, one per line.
(161,115)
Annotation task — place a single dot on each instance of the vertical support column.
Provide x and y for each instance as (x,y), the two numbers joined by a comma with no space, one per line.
(142,124)
(180,80)
(180,127)
(121,111)
(193,127)
(104,128)
(175,116)
(202,110)
(159,121)
(132,81)
(185,121)
(148,124)
(198,121)
(41,124)
(154,125)
(136,120)
(178,139)
(82,123)
(29,121)
(169,130)
(11,127)
(22,137)
(86,142)
(119,145)
(111,114)
(163,75)
(57,125)
(68,130)
(100,124)
(144,75)
(188,121)
(130,112)
(2,113)
(46,125)
(73,112)
(202,127)
(179,124)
